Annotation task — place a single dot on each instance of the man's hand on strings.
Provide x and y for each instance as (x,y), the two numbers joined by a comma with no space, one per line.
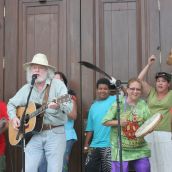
(53,105)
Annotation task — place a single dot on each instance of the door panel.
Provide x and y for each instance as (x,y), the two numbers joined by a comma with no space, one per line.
(42,28)
(119,39)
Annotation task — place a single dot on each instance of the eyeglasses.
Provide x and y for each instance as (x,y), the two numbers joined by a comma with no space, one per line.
(133,89)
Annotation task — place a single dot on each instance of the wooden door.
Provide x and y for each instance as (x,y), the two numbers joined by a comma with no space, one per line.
(119,55)
(40,26)
(110,40)
(33,26)
(42,29)
(51,27)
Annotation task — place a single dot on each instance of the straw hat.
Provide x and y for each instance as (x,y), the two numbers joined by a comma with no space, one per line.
(40,59)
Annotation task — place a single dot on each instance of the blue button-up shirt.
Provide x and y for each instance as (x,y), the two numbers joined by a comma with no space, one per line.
(51,116)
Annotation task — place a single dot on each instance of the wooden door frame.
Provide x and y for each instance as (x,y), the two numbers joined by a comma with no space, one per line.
(2,52)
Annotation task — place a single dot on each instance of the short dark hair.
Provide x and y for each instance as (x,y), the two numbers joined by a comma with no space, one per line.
(103,81)
(164,75)
(63,77)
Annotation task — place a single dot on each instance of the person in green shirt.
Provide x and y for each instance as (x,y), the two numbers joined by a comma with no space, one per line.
(159,99)
(133,113)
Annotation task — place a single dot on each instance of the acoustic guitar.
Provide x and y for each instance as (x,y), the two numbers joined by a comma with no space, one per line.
(33,120)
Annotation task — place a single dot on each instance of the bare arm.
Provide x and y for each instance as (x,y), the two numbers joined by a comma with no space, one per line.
(141,76)
(73,113)
(144,71)
(123,123)
(88,138)
(111,123)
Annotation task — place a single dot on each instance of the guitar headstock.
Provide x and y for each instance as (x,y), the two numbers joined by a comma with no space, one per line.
(63,99)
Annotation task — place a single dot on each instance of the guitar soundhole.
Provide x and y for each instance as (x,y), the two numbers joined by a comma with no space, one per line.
(27,121)
(27,118)
(26,126)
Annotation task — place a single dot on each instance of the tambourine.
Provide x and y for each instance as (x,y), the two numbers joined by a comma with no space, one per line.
(149,125)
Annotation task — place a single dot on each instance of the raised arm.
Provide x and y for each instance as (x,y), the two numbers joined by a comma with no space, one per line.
(141,76)
(144,71)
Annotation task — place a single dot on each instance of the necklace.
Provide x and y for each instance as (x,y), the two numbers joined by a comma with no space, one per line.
(131,107)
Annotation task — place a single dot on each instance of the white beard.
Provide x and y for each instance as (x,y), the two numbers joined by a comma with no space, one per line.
(41,78)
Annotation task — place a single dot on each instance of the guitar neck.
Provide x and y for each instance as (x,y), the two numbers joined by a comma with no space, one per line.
(60,100)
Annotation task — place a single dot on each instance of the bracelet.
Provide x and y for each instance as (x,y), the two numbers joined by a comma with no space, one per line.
(85,147)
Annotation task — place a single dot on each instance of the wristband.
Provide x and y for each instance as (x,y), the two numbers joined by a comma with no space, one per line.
(85,147)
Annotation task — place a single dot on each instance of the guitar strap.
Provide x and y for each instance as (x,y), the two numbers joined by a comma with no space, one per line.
(45,99)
